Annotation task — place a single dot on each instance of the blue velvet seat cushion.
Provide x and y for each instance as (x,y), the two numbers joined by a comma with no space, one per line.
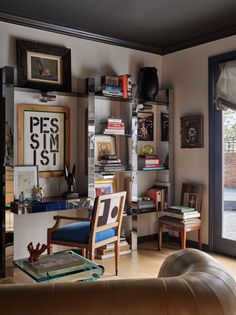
(79,232)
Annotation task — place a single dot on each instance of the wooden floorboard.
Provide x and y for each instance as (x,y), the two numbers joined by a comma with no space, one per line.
(144,263)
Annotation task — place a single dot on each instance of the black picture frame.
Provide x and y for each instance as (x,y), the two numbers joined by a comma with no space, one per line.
(145,126)
(164,127)
(42,66)
(191,131)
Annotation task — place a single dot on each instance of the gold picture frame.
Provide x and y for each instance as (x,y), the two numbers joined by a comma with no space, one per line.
(43,138)
(105,186)
(104,145)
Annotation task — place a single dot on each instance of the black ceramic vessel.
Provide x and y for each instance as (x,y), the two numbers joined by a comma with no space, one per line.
(148,84)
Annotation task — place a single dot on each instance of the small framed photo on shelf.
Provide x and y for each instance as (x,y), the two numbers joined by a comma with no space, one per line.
(44,138)
(104,145)
(42,66)
(25,179)
(164,127)
(145,126)
(191,131)
(105,186)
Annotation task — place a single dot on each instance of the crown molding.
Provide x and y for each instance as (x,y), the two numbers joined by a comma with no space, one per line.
(14,19)
(199,40)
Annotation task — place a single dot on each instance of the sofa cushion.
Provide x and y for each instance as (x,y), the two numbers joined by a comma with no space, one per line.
(79,232)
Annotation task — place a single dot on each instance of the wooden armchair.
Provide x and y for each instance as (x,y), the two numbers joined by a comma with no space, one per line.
(191,196)
(89,234)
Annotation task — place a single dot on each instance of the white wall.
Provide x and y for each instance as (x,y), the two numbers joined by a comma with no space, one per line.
(187,72)
(88,59)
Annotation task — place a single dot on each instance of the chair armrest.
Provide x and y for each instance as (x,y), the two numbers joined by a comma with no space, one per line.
(62,217)
(58,219)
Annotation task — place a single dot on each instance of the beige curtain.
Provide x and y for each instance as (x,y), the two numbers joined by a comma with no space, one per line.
(226,87)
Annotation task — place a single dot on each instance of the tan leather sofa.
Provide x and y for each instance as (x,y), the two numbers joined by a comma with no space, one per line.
(189,282)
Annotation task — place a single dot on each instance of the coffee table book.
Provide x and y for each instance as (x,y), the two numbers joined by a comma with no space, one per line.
(54,262)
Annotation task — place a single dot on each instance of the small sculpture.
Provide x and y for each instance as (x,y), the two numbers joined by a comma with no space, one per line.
(70,179)
(38,193)
(36,252)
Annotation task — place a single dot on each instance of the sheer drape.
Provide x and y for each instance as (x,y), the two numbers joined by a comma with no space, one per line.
(226,87)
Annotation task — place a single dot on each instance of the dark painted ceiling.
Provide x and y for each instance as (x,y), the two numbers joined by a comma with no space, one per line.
(160,26)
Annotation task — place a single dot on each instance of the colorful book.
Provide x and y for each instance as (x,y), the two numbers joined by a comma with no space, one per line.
(181,209)
(124,85)
(153,168)
(111,88)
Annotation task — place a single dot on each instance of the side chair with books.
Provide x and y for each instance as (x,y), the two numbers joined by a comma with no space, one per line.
(88,234)
(184,218)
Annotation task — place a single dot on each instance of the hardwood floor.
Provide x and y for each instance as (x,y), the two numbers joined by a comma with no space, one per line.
(144,263)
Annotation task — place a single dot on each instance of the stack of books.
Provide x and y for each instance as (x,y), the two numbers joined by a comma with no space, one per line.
(181,212)
(108,250)
(115,126)
(149,162)
(143,205)
(116,85)
(110,163)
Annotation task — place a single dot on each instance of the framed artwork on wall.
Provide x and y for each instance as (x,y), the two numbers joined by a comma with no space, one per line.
(42,66)
(105,186)
(145,126)
(25,179)
(191,131)
(44,138)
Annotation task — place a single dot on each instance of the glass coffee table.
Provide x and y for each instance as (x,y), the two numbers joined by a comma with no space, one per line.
(68,265)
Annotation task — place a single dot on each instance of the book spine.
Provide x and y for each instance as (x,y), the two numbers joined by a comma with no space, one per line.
(124,85)
(115,127)
(114,120)
(109,80)
(181,210)
(153,165)
(107,93)
(110,161)
(153,168)
(183,216)
(111,88)
(152,161)
(109,131)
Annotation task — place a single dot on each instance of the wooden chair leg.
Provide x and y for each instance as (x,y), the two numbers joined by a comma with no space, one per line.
(159,231)
(200,239)
(183,238)
(91,254)
(117,257)
(49,249)
(84,252)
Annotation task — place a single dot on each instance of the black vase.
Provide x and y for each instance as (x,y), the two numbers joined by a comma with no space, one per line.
(148,84)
